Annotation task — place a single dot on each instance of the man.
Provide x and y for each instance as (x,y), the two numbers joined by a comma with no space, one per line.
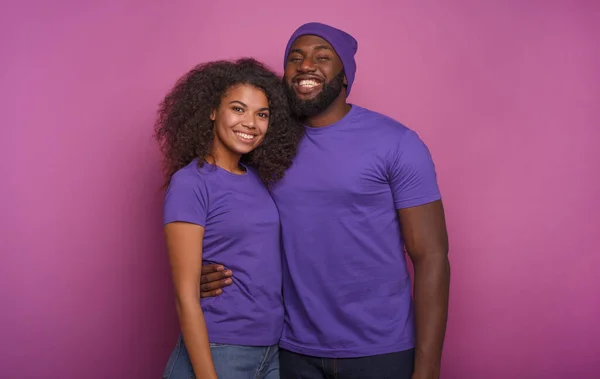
(362,189)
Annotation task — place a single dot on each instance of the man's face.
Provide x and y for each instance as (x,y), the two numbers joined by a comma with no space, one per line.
(314,76)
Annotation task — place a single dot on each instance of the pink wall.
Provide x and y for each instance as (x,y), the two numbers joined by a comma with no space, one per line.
(505,93)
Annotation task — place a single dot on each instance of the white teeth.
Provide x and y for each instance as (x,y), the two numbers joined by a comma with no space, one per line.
(245,136)
(308,83)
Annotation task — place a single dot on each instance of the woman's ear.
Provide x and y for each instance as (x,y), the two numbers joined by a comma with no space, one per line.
(213,115)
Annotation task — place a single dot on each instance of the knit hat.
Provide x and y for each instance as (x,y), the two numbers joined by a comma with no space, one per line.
(343,43)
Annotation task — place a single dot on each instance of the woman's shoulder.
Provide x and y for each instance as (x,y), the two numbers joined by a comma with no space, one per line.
(192,175)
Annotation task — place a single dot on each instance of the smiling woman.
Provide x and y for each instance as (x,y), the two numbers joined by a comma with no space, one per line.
(242,96)
(240,125)
(226,134)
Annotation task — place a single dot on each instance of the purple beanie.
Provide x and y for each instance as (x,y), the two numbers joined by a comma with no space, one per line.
(343,43)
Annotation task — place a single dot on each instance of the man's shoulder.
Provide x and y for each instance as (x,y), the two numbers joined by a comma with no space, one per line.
(385,126)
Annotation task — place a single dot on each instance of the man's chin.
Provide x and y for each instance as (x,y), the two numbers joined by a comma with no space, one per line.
(307,96)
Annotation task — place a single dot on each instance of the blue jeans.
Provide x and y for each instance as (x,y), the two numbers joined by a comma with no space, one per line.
(231,362)
(385,366)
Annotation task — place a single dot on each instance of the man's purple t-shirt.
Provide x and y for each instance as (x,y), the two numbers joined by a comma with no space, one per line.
(241,232)
(347,292)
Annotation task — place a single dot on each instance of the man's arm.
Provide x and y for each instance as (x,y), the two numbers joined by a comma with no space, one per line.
(426,240)
(213,279)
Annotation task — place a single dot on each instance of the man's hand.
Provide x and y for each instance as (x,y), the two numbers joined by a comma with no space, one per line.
(214,277)
(432,374)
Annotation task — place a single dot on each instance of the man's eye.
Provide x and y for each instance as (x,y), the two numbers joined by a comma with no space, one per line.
(323,58)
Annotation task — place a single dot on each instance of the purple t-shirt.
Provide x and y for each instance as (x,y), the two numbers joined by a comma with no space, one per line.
(241,232)
(347,291)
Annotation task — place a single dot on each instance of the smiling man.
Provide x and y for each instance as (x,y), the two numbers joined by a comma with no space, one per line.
(362,189)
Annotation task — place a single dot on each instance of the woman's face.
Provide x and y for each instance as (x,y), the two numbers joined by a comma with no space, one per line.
(242,119)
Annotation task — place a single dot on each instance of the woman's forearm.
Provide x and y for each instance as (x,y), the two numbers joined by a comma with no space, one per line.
(195,336)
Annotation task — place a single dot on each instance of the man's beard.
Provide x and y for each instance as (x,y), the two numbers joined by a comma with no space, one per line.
(309,108)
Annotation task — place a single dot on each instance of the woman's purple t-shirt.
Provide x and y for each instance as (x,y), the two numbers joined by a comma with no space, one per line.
(241,232)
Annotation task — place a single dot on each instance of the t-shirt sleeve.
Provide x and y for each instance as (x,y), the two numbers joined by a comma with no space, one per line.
(412,173)
(185,201)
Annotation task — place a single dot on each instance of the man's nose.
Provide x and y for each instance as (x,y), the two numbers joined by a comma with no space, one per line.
(307,65)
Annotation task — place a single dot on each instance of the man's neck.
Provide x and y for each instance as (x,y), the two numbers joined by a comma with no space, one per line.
(334,113)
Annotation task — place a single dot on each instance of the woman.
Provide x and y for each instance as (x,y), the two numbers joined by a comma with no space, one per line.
(226,135)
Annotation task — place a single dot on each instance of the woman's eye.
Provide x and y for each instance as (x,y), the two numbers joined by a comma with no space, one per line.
(263,115)
(237,109)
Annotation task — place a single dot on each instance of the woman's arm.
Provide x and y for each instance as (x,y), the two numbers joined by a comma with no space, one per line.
(184,243)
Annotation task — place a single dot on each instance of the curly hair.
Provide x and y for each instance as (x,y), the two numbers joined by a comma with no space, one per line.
(184,129)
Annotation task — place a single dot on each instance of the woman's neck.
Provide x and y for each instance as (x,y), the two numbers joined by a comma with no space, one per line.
(228,161)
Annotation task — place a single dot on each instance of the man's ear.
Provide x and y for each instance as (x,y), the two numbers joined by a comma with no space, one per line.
(345,81)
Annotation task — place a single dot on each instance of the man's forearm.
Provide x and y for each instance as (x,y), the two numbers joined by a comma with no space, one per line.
(432,282)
